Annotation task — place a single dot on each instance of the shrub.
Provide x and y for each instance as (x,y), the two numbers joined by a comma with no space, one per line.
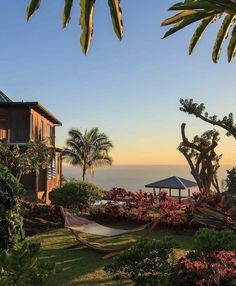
(169,211)
(211,263)
(215,269)
(210,240)
(146,263)
(47,212)
(116,194)
(75,194)
(11,222)
(21,267)
(135,206)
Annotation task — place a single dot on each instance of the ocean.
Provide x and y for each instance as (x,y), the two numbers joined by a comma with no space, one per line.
(135,177)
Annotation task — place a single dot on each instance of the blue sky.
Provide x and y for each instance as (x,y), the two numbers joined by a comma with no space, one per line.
(129,89)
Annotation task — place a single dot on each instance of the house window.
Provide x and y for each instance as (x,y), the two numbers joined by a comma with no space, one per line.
(50,135)
(52,168)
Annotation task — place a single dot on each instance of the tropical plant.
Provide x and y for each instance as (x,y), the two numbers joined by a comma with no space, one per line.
(75,194)
(22,267)
(169,211)
(215,217)
(86,18)
(212,261)
(87,150)
(214,209)
(146,263)
(206,11)
(11,222)
(202,158)
(116,194)
(214,269)
(132,206)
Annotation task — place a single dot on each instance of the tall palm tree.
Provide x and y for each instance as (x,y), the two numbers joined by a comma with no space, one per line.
(88,150)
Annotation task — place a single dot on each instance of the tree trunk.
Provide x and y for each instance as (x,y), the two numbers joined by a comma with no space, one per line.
(84,172)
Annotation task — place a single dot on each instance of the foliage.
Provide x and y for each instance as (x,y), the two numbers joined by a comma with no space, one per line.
(203,197)
(227,122)
(210,240)
(22,267)
(47,212)
(211,263)
(207,12)
(214,217)
(191,11)
(11,222)
(147,263)
(86,18)
(126,205)
(75,194)
(24,160)
(231,180)
(213,269)
(88,150)
(215,210)
(169,211)
(116,194)
(202,158)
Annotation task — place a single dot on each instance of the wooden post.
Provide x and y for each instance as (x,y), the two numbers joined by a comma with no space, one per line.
(154,192)
(169,192)
(180,196)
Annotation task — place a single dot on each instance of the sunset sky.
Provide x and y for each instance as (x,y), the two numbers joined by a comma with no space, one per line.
(129,89)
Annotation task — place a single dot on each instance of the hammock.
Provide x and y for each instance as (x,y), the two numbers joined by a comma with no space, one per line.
(88,226)
(78,224)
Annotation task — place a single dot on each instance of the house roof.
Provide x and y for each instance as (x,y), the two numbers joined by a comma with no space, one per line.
(36,106)
(172,183)
(4,98)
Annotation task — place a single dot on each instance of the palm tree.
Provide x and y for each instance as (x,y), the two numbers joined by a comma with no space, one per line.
(88,150)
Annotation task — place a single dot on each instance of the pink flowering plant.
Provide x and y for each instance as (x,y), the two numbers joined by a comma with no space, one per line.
(134,206)
(170,212)
(211,263)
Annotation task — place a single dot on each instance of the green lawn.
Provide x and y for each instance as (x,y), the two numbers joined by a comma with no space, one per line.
(84,267)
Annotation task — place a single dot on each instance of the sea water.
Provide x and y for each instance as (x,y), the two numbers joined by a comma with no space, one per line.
(135,177)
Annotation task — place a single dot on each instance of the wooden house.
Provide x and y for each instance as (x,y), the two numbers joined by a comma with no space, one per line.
(21,122)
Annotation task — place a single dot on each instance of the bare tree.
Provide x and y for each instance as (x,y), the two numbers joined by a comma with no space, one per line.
(202,158)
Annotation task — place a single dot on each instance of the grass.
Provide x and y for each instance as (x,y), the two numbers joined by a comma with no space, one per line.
(84,267)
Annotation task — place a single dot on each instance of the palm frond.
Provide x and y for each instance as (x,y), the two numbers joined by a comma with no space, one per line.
(208,11)
(86,18)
